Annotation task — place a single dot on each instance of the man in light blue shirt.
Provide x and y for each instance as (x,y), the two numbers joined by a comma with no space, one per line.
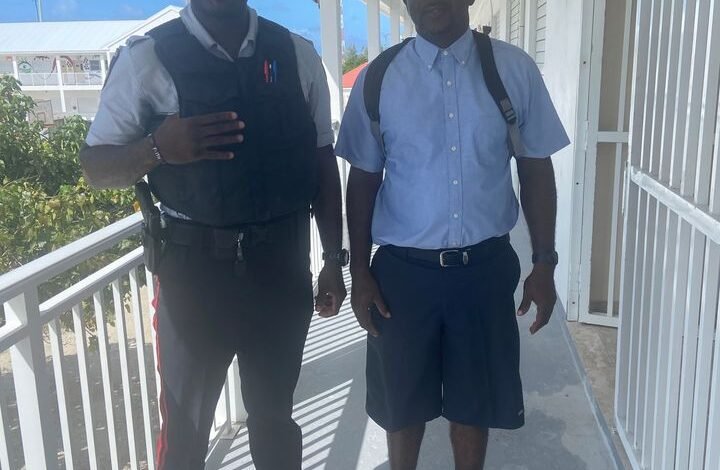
(437,197)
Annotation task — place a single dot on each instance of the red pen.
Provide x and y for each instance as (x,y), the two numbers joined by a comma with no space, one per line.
(267,72)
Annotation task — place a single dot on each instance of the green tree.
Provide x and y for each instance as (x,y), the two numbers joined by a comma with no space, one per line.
(352,58)
(45,202)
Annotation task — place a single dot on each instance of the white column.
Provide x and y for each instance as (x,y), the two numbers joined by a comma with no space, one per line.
(103,70)
(373,12)
(395,22)
(58,65)
(16,72)
(331,39)
(408,25)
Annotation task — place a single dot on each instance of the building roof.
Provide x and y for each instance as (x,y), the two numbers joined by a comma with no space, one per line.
(68,36)
(349,78)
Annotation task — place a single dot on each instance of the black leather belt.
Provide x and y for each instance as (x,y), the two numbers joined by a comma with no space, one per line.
(451,258)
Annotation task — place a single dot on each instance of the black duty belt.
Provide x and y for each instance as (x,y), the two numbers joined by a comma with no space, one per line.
(451,258)
(221,243)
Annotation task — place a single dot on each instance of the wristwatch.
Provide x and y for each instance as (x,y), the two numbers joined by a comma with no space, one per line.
(547,257)
(341,257)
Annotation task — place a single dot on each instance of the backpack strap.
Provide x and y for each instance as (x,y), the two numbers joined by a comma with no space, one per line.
(499,94)
(373,83)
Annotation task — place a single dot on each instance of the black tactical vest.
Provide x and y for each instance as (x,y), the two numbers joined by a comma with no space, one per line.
(273,173)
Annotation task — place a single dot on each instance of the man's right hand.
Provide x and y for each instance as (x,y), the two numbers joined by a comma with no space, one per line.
(187,140)
(366,294)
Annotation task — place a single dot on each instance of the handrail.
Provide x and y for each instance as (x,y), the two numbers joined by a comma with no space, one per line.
(60,260)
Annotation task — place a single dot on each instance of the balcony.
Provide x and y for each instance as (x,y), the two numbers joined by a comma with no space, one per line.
(69,79)
(72,399)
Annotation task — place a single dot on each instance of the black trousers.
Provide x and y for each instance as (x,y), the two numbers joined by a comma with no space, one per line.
(209,311)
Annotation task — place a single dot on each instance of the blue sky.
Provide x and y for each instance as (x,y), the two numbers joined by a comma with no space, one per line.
(301,16)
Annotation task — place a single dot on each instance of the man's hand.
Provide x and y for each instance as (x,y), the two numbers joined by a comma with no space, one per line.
(365,295)
(539,288)
(187,140)
(331,291)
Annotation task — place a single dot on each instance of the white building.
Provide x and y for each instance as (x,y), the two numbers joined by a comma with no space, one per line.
(63,65)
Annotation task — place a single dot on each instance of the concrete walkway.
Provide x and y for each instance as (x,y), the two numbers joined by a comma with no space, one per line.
(564,429)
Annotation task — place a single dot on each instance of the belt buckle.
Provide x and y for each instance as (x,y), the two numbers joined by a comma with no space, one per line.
(459,261)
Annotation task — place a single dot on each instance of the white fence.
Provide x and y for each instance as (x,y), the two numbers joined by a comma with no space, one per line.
(668,371)
(73,399)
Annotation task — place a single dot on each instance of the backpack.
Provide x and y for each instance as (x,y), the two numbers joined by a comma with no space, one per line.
(376,73)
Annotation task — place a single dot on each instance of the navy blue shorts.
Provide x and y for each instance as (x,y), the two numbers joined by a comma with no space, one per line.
(452,345)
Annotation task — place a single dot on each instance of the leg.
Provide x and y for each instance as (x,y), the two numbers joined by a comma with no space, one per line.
(481,351)
(469,446)
(269,361)
(192,363)
(404,447)
(404,387)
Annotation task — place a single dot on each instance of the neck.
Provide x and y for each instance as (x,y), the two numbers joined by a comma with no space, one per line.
(229,31)
(445,39)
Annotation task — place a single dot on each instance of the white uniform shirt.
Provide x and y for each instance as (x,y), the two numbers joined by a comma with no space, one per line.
(140,87)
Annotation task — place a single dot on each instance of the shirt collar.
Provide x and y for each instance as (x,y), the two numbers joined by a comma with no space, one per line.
(208,42)
(460,49)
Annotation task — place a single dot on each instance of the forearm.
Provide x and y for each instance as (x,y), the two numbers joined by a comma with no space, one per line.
(117,166)
(361,194)
(538,196)
(327,205)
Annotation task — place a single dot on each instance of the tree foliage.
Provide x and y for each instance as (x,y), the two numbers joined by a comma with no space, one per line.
(354,58)
(45,202)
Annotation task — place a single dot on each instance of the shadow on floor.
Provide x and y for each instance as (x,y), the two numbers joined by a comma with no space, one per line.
(561,433)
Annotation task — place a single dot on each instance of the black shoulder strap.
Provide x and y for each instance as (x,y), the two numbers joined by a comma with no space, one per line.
(373,83)
(497,91)
(167,29)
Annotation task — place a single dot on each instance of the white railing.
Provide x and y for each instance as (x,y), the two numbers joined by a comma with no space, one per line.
(69,79)
(39,79)
(75,400)
(667,400)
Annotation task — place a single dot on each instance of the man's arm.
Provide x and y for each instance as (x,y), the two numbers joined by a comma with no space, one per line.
(362,191)
(179,141)
(538,196)
(117,166)
(327,207)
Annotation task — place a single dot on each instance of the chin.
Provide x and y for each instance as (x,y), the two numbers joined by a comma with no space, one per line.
(222,8)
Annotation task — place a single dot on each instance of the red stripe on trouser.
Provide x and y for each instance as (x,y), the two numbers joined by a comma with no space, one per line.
(161,446)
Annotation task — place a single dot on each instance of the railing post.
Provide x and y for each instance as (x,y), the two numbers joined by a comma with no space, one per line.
(32,388)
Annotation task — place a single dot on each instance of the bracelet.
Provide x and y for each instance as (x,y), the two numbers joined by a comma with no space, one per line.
(156,152)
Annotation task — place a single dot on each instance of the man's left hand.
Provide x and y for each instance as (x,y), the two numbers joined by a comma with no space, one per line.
(539,288)
(331,291)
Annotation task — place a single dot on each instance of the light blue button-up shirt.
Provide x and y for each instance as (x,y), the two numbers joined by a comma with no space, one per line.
(447,180)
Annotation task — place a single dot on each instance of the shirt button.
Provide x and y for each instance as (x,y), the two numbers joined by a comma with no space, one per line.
(449,83)
(453,148)
(456,215)
(451,115)
(445,52)
(455,182)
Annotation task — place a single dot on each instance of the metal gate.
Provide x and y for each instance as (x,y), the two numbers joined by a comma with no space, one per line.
(668,366)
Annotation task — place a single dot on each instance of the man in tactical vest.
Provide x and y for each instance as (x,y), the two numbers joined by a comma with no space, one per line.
(228,115)
(429,130)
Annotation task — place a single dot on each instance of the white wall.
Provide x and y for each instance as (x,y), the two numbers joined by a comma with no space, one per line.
(561,72)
